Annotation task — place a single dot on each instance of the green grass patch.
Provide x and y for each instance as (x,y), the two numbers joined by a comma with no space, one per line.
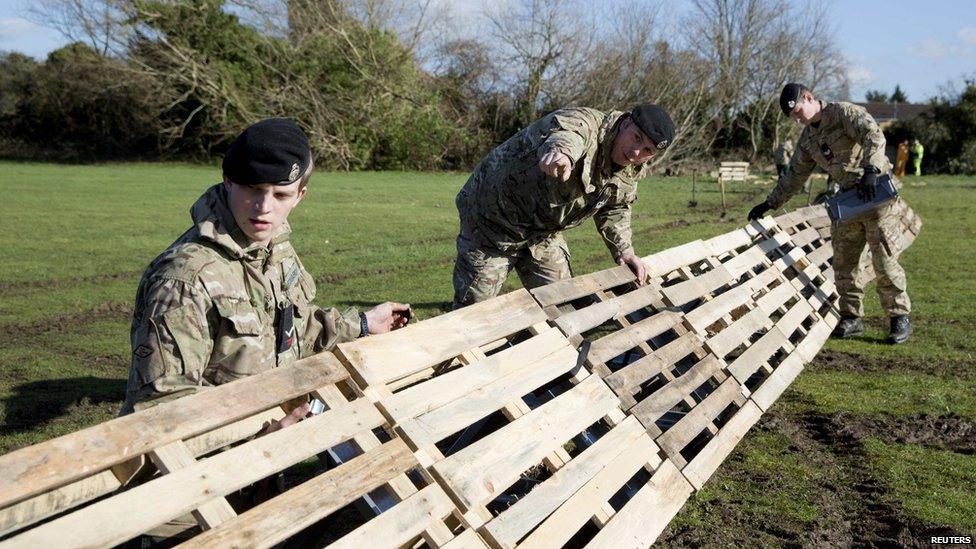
(895,393)
(935,486)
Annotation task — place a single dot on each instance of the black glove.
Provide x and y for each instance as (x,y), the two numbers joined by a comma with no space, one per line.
(759,210)
(865,187)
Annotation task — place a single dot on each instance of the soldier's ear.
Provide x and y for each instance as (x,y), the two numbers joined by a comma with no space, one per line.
(301,194)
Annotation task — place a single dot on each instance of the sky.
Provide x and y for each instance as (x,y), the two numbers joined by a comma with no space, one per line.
(921,46)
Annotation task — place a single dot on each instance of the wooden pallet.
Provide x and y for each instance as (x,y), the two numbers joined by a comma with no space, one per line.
(182,439)
(719,319)
(529,444)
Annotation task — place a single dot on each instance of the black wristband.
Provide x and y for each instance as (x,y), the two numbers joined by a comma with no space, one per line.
(871,169)
(363,325)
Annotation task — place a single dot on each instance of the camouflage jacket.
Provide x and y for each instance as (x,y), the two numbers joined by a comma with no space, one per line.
(208,309)
(784,153)
(846,139)
(514,204)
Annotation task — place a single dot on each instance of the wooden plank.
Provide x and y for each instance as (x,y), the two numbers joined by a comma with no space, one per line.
(813,342)
(648,513)
(776,298)
(627,379)
(772,387)
(794,317)
(450,386)
(630,337)
(182,491)
(518,520)
(663,262)
(41,467)
(467,539)
(687,428)
(565,521)
(277,519)
(235,432)
(481,471)
(391,356)
(442,421)
(727,242)
(707,313)
(758,353)
(592,316)
(697,287)
(738,333)
(29,511)
(719,447)
(582,286)
(176,456)
(402,524)
(667,397)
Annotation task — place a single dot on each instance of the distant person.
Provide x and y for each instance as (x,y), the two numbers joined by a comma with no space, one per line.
(902,158)
(845,141)
(783,155)
(230,298)
(917,151)
(562,169)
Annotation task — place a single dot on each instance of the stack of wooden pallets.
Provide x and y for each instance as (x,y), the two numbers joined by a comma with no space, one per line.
(585,412)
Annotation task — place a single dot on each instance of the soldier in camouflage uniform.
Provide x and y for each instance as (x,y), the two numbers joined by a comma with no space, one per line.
(230,298)
(844,140)
(562,169)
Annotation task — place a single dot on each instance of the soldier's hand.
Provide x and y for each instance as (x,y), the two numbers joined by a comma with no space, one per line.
(636,265)
(556,164)
(388,316)
(292,418)
(759,210)
(865,187)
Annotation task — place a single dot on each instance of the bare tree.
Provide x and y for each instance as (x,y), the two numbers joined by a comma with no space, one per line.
(755,47)
(543,46)
(99,23)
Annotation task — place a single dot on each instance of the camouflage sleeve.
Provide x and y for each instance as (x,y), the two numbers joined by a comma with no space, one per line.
(328,327)
(801,166)
(172,338)
(613,223)
(862,128)
(570,134)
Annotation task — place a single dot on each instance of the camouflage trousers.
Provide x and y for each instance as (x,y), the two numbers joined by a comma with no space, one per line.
(480,271)
(877,229)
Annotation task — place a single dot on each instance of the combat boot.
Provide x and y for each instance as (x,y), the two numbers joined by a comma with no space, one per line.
(900,330)
(848,327)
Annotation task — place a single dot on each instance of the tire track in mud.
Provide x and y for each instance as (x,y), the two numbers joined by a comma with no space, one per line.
(875,521)
(67,324)
(7,288)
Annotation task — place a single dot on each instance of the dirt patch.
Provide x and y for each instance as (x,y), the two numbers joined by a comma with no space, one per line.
(18,334)
(854,509)
(341,277)
(847,362)
(875,521)
(946,432)
(12,287)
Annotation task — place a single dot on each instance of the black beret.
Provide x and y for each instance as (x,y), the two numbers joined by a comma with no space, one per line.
(274,150)
(789,96)
(653,121)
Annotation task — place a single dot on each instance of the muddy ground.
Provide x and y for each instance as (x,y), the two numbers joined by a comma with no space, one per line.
(856,507)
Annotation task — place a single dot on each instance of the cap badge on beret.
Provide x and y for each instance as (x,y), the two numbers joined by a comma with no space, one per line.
(662,144)
(792,104)
(294,173)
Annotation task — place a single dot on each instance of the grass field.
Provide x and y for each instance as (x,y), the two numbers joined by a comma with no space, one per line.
(872,444)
